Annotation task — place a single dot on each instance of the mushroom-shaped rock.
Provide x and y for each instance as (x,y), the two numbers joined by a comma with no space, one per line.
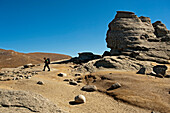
(89,88)
(80,99)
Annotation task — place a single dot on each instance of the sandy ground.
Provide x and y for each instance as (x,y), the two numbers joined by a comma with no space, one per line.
(61,93)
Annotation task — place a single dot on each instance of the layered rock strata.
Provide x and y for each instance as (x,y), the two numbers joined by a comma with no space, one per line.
(138,37)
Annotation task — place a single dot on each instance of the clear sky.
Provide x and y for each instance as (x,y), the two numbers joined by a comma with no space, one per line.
(68,26)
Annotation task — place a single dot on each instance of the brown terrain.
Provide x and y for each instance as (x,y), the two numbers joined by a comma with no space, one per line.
(138,94)
(11,59)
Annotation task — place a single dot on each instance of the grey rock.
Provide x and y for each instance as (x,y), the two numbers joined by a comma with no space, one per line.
(89,88)
(62,74)
(40,82)
(80,99)
(114,86)
(25,102)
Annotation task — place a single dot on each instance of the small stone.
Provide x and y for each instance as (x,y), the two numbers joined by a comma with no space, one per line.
(80,99)
(73,83)
(79,81)
(89,88)
(114,86)
(40,82)
(28,77)
(62,74)
(78,74)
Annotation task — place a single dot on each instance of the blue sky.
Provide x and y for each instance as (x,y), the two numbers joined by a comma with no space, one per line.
(68,26)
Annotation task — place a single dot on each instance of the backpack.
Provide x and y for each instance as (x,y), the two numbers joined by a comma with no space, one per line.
(48,59)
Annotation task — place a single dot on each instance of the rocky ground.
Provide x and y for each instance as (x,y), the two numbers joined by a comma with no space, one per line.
(137,94)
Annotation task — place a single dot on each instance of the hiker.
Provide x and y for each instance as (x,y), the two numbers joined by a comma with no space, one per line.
(47,62)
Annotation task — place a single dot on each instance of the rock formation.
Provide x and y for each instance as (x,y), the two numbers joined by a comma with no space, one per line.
(135,43)
(138,37)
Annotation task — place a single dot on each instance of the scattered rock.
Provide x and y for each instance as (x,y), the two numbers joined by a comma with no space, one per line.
(28,65)
(79,81)
(80,99)
(141,71)
(114,86)
(40,82)
(78,74)
(27,77)
(73,83)
(89,88)
(62,74)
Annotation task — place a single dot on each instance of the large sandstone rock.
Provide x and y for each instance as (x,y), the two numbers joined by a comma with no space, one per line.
(25,102)
(138,38)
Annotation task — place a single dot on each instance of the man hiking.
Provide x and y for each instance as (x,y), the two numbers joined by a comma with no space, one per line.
(47,62)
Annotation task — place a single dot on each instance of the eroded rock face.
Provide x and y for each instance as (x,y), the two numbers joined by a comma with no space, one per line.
(137,37)
(25,102)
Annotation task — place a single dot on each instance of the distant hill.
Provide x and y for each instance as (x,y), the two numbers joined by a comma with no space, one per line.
(10,58)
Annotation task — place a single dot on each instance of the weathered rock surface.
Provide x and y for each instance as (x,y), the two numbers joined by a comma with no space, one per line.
(138,38)
(25,102)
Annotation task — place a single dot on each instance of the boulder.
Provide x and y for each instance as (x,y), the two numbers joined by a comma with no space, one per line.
(80,99)
(89,88)
(25,102)
(160,69)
